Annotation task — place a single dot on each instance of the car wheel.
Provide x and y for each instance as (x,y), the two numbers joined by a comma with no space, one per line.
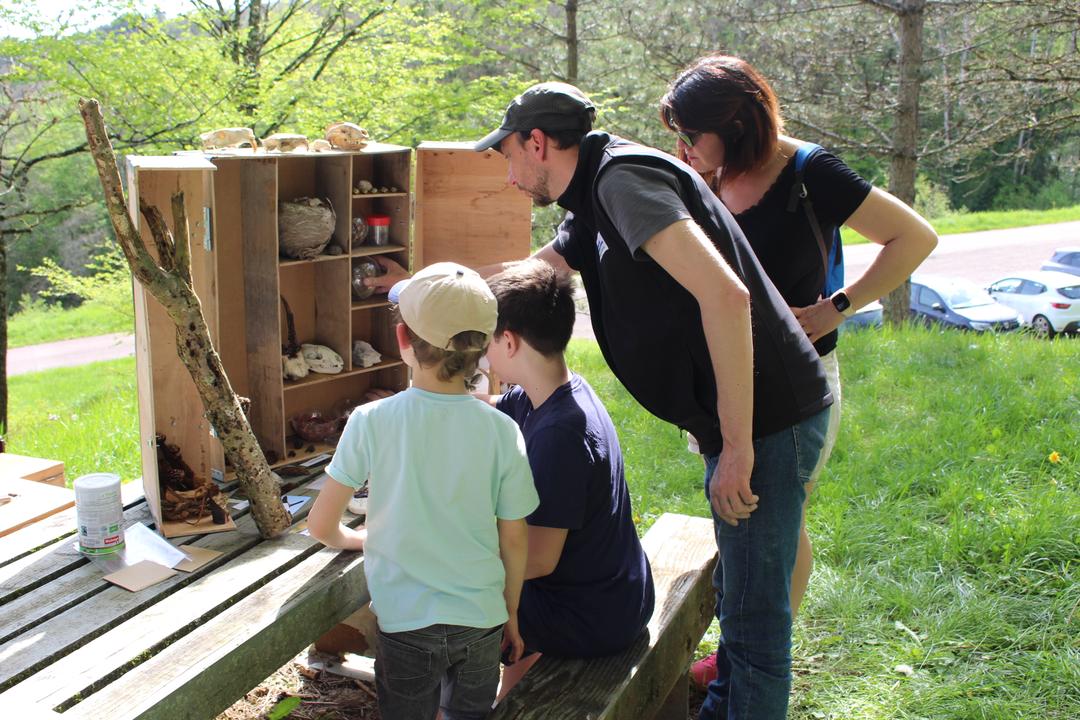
(1042,327)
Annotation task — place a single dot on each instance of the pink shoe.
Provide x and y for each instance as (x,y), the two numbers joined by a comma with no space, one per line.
(703,672)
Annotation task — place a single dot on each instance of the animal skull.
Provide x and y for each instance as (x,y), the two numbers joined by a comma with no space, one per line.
(285,142)
(322,359)
(347,136)
(228,137)
(319,145)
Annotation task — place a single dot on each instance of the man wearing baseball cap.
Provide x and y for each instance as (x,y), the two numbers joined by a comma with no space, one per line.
(690,324)
(449,486)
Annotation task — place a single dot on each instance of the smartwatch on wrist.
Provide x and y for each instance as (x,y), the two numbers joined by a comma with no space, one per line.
(842,304)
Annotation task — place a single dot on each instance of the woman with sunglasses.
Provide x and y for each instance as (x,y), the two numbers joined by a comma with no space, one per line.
(728,127)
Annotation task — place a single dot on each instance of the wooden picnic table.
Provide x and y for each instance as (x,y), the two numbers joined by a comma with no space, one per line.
(75,646)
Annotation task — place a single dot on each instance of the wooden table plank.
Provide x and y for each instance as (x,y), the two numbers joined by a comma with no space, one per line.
(80,583)
(229,654)
(84,606)
(110,653)
(54,559)
(634,683)
(53,528)
(27,501)
(60,557)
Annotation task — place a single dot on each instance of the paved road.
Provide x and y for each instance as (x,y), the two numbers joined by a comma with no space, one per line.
(979,256)
(69,352)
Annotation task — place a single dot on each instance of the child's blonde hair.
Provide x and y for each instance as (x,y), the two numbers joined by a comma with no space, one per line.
(461,359)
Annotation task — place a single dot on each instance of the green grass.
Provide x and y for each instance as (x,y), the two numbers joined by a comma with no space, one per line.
(42,324)
(86,416)
(945,537)
(964,222)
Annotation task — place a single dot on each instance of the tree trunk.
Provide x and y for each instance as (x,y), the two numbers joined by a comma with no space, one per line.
(905,157)
(571,42)
(168,279)
(3,340)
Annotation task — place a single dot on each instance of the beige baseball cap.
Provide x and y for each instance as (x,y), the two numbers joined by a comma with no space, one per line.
(445,299)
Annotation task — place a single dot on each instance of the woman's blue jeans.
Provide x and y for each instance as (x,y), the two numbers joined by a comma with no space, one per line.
(753,577)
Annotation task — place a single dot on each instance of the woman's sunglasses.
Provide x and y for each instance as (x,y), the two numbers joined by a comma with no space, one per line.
(689,137)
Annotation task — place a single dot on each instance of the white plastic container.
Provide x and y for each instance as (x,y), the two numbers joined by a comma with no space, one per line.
(99,513)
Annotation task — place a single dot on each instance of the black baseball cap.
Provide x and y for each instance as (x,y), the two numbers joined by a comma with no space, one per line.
(549,106)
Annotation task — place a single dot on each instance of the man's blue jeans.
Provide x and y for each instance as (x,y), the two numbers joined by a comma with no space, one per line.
(442,666)
(753,577)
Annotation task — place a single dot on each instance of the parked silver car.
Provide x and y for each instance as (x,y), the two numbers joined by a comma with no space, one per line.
(1065,259)
(953,302)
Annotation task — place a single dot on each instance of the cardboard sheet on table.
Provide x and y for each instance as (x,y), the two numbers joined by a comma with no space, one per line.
(197,557)
(140,576)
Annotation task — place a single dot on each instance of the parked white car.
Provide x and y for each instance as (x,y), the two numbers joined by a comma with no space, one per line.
(1049,301)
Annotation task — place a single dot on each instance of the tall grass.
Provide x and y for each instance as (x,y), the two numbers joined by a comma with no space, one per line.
(41,323)
(963,222)
(946,525)
(947,539)
(86,416)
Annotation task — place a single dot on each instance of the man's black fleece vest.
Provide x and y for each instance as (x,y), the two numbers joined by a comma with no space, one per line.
(649,326)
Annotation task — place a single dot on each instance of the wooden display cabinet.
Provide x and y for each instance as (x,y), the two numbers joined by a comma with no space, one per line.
(459,208)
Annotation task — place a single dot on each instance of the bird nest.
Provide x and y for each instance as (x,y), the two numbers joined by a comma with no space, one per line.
(305,227)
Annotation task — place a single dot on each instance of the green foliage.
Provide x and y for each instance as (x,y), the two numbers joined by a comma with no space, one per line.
(282,708)
(107,281)
(931,200)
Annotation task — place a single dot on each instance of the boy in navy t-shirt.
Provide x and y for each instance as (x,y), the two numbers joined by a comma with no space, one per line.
(588,587)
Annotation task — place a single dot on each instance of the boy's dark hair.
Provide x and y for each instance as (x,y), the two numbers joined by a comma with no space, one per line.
(537,303)
(462,359)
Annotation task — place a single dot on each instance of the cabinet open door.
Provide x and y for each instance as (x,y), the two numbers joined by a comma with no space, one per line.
(465,210)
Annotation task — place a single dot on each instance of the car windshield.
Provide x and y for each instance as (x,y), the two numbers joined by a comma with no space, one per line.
(1072,292)
(964,294)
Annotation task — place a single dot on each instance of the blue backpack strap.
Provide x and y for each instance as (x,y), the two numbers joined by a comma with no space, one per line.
(800,196)
(798,189)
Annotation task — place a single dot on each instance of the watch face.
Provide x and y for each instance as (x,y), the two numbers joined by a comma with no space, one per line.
(840,302)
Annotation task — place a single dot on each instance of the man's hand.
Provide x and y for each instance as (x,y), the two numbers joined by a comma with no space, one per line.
(512,639)
(729,487)
(394,274)
(819,319)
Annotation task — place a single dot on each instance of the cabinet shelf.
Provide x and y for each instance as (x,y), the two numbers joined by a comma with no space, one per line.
(321,258)
(364,196)
(367,250)
(319,378)
(375,301)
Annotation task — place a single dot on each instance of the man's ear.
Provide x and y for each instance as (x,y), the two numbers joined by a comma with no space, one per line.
(538,144)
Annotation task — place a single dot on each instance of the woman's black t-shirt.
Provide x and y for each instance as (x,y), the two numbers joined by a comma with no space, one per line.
(783,241)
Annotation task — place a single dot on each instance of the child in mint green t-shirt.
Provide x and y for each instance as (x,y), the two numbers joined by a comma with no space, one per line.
(449,488)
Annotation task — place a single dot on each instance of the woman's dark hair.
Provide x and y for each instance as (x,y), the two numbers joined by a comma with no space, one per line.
(726,95)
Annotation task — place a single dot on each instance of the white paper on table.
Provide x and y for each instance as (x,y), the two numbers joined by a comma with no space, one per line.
(142,543)
(294,502)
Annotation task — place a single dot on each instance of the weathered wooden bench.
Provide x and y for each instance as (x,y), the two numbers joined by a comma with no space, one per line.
(649,680)
(74,646)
